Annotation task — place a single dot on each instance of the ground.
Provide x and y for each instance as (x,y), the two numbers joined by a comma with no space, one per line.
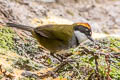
(22,58)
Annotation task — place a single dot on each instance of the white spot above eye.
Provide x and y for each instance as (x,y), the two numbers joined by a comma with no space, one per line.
(80,36)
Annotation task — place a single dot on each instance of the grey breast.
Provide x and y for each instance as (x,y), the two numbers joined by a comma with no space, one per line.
(73,42)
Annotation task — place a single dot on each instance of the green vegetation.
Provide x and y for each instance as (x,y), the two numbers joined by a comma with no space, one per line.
(26,64)
(28,52)
(6,38)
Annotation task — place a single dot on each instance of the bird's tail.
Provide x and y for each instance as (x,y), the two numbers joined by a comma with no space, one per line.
(19,26)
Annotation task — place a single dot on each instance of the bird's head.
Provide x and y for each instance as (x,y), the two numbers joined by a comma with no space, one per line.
(82,32)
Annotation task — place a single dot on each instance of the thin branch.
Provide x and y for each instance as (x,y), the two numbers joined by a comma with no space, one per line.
(49,73)
(84,51)
(97,69)
(113,55)
(108,67)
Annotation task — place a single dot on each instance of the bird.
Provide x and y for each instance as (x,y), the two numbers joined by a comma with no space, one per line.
(58,37)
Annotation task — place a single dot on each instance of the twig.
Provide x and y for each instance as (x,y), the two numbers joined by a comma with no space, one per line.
(107,56)
(108,67)
(49,73)
(113,55)
(97,69)
(84,51)
(52,73)
(75,69)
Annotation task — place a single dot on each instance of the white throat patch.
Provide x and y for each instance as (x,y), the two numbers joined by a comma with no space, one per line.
(80,36)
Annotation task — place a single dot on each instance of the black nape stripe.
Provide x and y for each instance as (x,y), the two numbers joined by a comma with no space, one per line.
(83,29)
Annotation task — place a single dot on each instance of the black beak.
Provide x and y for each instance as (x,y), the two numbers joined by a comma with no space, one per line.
(90,38)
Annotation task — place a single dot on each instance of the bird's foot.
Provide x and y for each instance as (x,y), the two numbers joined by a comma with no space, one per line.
(60,58)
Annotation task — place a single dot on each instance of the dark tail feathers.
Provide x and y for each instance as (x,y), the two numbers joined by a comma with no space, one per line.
(23,27)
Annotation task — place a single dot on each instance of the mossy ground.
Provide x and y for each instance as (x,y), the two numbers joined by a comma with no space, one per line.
(17,55)
(6,38)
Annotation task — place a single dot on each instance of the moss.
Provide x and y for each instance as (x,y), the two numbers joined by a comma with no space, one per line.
(9,40)
(86,62)
(115,43)
(6,38)
(26,64)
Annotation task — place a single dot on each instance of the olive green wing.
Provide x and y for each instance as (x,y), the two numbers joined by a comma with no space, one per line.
(59,32)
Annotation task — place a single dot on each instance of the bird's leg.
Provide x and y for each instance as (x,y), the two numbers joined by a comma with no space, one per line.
(61,58)
(56,56)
